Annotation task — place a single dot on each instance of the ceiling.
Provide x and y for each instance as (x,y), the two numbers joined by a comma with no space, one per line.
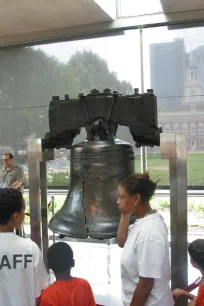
(30,22)
(170,6)
(29,16)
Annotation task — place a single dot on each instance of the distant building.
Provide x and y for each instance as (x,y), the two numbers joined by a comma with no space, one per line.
(189,119)
(198,58)
(167,71)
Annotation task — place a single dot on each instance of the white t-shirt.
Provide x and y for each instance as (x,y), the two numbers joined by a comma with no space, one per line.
(22,271)
(146,254)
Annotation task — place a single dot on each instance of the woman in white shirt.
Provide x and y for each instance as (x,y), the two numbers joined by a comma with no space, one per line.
(145,267)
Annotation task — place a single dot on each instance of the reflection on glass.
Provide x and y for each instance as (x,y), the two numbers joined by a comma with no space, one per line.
(29,77)
(175,70)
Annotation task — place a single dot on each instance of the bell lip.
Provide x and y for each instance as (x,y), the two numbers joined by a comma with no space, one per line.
(83,230)
(61,232)
(102,236)
(92,235)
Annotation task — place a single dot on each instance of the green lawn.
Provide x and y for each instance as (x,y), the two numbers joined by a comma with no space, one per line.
(159,168)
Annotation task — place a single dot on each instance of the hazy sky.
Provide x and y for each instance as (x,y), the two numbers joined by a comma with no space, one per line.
(122,53)
(140,7)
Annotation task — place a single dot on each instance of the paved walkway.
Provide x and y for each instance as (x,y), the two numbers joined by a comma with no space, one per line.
(99,263)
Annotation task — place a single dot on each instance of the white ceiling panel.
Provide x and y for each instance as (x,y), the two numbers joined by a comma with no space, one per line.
(170,6)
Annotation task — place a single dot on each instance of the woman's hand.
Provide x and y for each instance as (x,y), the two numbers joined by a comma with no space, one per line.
(123,229)
(126,215)
(178,293)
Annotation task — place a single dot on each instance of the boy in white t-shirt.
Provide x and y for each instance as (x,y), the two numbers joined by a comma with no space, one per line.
(22,272)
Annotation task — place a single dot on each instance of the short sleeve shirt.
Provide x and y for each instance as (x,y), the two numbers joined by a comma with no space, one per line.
(200,298)
(146,254)
(22,272)
(75,292)
(10,176)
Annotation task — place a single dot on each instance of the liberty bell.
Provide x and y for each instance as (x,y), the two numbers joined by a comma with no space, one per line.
(98,164)
(90,209)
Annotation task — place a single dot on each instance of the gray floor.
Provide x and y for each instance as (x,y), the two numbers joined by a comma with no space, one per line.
(100,265)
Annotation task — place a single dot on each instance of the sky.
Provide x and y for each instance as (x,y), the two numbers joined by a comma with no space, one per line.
(139,7)
(122,52)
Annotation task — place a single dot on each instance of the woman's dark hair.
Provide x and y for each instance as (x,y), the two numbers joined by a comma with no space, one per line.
(11,201)
(60,257)
(140,183)
(196,251)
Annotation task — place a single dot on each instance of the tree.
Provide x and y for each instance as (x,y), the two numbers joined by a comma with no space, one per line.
(91,71)
(28,80)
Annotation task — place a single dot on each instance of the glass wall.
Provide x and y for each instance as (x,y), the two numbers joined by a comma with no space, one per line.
(29,77)
(174,68)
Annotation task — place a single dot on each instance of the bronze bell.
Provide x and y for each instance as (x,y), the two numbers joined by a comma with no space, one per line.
(90,209)
(99,164)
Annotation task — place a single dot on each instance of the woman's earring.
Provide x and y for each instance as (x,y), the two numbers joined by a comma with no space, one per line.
(135,203)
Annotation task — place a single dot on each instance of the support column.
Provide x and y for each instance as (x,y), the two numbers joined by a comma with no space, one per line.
(143,151)
(173,147)
(47,155)
(34,157)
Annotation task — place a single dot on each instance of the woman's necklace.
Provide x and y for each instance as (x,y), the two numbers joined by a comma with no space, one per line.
(152,211)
